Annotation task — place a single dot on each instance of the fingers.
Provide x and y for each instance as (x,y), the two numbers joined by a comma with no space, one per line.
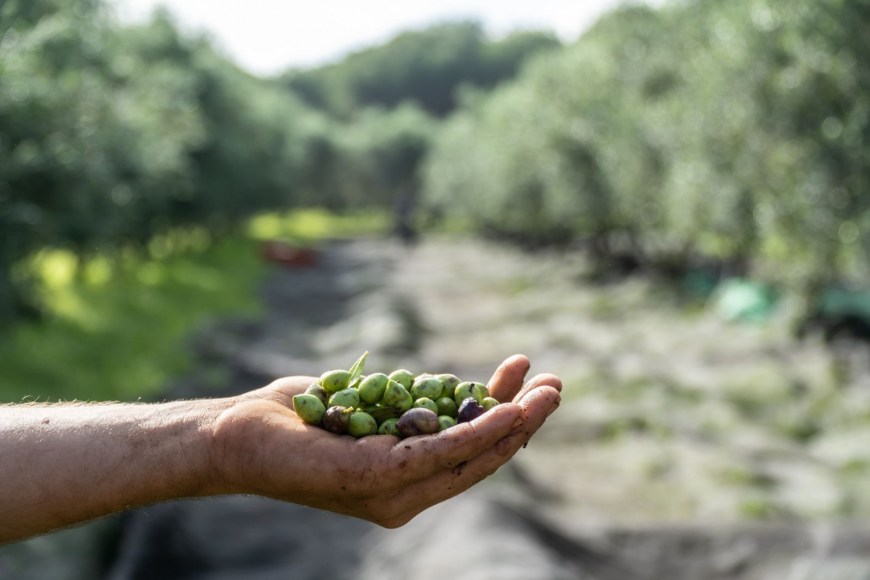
(536,406)
(538,381)
(508,378)
(421,457)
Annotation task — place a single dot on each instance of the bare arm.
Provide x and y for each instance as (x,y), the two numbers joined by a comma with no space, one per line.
(64,464)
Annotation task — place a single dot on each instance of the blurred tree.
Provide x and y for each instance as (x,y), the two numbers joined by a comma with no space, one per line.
(733,132)
(425,67)
(109,135)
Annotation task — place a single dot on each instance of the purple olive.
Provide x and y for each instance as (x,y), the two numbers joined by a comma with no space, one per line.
(469,410)
(418,421)
(336,419)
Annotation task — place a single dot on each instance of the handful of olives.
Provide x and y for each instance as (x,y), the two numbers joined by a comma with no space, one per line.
(400,403)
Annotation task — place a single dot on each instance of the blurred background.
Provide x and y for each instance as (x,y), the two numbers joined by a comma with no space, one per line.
(667,204)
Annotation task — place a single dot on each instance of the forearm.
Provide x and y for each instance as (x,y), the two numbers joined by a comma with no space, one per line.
(63,464)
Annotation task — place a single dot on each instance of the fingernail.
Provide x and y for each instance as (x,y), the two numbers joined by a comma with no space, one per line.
(556,402)
(503,447)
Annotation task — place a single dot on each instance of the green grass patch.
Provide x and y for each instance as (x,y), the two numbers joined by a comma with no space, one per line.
(116,327)
(313,225)
(116,324)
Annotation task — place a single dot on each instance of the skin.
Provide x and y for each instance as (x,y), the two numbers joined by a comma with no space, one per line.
(62,464)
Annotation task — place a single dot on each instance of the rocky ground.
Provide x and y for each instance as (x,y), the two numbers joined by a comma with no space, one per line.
(686,446)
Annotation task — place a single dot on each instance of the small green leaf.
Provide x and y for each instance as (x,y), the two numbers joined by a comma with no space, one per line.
(357,369)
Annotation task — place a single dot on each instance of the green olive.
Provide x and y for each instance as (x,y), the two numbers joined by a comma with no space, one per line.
(334,381)
(381,412)
(445,422)
(404,377)
(361,424)
(426,403)
(462,392)
(428,387)
(309,408)
(348,397)
(449,381)
(388,427)
(371,389)
(488,403)
(397,397)
(446,406)
(479,392)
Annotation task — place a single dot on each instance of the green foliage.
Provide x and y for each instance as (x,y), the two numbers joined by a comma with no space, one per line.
(110,136)
(425,67)
(701,131)
(117,323)
(367,161)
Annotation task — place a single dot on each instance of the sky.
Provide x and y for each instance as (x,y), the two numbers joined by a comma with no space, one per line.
(269,36)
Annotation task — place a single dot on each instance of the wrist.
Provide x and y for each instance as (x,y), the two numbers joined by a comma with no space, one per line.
(191,429)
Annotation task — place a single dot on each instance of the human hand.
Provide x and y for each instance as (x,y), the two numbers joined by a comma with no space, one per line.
(261,446)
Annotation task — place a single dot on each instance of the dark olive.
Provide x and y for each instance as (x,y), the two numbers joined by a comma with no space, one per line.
(418,421)
(469,410)
(336,419)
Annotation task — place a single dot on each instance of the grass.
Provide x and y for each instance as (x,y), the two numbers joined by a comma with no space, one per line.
(312,226)
(116,325)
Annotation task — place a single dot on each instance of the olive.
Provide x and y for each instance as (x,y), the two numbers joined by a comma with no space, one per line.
(445,422)
(426,403)
(348,397)
(309,408)
(381,412)
(336,419)
(479,391)
(488,403)
(371,389)
(449,381)
(446,406)
(428,387)
(396,396)
(403,376)
(418,421)
(361,424)
(388,427)
(463,391)
(319,392)
(334,381)
(405,403)
(469,410)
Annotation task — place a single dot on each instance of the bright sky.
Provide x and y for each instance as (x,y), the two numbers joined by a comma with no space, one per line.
(268,36)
